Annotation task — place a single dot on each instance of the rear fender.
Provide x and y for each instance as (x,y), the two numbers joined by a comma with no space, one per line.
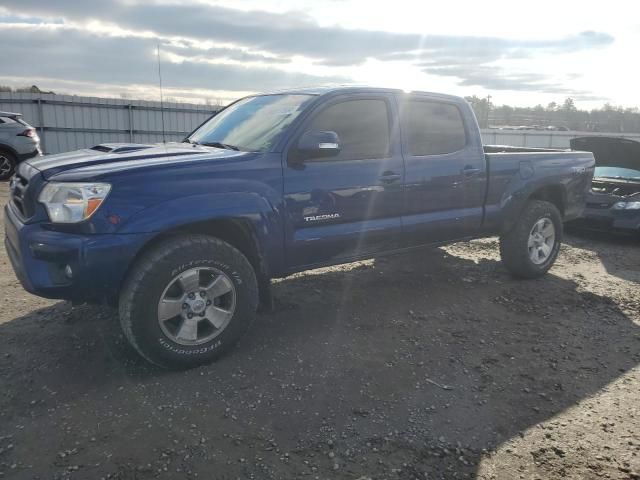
(8,149)
(515,200)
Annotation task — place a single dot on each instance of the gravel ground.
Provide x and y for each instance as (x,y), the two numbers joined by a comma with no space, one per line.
(434,364)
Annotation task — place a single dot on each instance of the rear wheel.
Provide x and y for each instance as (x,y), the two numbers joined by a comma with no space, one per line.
(187,301)
(7,165)
(531,247)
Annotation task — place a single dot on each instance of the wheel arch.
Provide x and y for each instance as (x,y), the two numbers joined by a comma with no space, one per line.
(8,149)
(555,194)
(237,232)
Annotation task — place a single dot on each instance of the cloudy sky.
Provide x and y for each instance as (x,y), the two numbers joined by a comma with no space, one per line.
(521,53)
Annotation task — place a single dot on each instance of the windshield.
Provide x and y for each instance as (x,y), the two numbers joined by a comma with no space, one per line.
(617,172)
(252,124)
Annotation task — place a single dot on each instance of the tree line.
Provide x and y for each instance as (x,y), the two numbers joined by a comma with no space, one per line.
(608,118)
(31,89)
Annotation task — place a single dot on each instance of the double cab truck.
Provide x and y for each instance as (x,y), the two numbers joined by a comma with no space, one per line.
(185,237)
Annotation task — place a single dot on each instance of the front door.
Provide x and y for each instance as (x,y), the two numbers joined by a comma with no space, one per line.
(349,205)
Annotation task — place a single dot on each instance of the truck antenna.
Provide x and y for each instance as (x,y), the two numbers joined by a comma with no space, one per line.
(161,96)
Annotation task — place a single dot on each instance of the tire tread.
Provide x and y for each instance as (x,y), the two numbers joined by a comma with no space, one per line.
(158,254)
(514,257)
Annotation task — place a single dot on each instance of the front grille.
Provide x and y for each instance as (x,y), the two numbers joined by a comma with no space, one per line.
(599,205)
(19,186)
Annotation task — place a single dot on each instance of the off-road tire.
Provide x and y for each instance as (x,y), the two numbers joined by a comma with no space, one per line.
(152,273)
(514,244)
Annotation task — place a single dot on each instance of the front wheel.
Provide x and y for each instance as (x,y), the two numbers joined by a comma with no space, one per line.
(187,301)
(531,247)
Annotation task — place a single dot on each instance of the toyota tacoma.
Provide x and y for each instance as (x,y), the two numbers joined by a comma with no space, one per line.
(185,237)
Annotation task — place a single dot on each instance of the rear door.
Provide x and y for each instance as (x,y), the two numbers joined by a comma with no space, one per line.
(445,175)
(349,205)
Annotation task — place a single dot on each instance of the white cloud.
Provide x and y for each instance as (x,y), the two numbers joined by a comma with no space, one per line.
(520,53)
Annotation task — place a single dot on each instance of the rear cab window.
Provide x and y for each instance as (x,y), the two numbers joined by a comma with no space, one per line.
(432,127)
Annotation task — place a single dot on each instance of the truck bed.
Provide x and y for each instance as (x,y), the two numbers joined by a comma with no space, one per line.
(514,173)
(511,149)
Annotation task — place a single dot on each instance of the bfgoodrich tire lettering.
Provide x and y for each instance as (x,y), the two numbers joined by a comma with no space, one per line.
(516,246)
(148,280)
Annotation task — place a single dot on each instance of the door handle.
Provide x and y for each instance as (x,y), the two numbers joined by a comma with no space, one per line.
(390,177)
(470,171)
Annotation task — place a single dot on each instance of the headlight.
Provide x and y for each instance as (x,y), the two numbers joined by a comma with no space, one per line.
(627,206)
(73,202)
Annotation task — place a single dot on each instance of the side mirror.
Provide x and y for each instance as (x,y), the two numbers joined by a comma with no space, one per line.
(319,144)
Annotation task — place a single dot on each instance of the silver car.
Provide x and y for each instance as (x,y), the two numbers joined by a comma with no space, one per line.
(18,141)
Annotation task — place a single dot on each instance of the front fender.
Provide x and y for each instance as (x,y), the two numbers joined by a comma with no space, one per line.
(257,211)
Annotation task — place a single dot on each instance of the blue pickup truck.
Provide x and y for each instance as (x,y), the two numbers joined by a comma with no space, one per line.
(185,237)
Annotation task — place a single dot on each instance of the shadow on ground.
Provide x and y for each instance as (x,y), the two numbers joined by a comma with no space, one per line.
(414,366)
(618,252)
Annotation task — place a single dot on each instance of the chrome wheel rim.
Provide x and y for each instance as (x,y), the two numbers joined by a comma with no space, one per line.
(542,239)
(196,306)
(5,166)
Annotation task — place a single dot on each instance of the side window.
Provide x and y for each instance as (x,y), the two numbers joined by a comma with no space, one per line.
(433,128)
(361,125)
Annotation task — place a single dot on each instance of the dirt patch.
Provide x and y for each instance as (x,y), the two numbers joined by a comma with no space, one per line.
(434,364)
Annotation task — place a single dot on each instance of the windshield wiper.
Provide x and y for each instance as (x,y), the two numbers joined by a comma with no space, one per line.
(220,145)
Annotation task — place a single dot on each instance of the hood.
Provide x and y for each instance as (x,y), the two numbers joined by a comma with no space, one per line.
(109,157)
(610,151)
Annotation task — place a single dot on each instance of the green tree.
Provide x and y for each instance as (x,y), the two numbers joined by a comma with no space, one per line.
(481,107)
(569,105)
(608,118)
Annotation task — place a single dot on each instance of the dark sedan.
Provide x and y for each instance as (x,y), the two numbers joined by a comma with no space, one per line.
(614,200)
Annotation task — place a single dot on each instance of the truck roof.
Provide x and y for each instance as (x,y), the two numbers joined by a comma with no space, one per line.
(336,89)
(10,114)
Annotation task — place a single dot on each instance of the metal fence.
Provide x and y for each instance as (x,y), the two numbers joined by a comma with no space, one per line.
(66,122)
(539,139)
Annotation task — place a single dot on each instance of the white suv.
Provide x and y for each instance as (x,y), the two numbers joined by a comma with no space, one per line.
(18,141)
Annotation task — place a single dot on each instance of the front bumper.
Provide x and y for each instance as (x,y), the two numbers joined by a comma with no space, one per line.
(39,258)
(610,219)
